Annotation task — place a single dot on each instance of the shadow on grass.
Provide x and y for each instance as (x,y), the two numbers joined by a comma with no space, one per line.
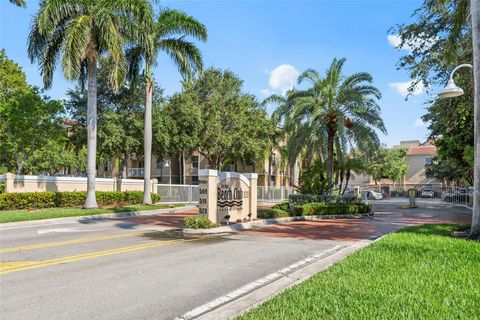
(445,230)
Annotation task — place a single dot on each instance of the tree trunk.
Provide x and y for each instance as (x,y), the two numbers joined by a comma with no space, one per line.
(475,14)
(269,170)
(124,166)
(147,142)
(330,140)
(91,201)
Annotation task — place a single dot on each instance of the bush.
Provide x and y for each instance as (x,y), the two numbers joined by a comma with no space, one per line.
(272,213)
(282,206)
(2,187)
(300,199)
(41,200)
(198,222)
(311,209)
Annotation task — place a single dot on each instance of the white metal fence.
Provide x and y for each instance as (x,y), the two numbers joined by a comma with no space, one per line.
(274,194)
(177,193)
(189,193)
(457,195)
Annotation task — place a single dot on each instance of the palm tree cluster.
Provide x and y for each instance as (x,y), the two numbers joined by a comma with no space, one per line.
(330,120)
(128,34)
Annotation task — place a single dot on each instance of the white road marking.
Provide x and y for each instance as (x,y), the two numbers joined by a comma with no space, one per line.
(65,230)
(255,284)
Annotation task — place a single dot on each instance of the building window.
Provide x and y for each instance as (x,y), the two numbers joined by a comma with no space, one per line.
(159,163)
(141,164)
(195,180)
(272,180)
(195,162)
(105,166)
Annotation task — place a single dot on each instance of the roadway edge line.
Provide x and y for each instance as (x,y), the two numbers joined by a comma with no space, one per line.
(210,309)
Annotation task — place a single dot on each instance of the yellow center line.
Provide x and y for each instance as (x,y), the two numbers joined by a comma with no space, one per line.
(10,267)
(76,241)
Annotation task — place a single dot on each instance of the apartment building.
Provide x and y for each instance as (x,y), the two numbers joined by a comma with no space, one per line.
(184,170)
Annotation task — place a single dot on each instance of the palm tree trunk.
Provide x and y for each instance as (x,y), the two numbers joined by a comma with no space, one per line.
(91,201)
(147,142)
(330,140)
(475,14)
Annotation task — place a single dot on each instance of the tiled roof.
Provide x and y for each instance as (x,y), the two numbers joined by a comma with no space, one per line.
(422,150)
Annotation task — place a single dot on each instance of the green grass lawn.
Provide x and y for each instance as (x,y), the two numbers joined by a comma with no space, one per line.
(24,215)
(416,273)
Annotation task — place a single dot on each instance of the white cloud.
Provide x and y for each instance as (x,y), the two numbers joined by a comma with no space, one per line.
(402,88)
(419,123)
(282,78)
(395,41)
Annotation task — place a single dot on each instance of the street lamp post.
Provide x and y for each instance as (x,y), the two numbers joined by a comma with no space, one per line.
(451,90)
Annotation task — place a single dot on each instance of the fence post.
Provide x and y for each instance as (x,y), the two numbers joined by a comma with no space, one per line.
(9,182)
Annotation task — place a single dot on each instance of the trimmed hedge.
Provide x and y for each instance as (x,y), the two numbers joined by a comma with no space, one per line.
(282,205)
(198,222)
(272,213)
(41,200)
(314,209)
(300,199)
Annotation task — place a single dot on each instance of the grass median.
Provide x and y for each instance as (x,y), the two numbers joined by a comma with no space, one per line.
(415,273)
(27,215)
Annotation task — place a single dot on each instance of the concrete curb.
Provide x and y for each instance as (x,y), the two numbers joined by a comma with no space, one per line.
(105,216)
(247,300)
(265,222)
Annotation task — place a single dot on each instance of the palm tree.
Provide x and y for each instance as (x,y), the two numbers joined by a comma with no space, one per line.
(339,107)
(19,3)
(166,35)
(80,32)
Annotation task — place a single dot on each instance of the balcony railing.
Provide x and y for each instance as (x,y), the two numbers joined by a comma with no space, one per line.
(135,172)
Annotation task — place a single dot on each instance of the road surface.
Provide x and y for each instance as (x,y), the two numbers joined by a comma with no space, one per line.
(142,268)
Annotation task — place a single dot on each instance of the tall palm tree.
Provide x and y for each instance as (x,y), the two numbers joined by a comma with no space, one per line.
(338,106)
(80,32)
(166,35)
(19,3)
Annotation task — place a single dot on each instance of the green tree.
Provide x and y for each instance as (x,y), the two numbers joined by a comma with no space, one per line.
(81,32)
(337,107)
(27,120)
(387,163)
(217,119)
(166,35)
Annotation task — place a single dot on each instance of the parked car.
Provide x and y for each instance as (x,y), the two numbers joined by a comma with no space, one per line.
(427,193)
(459,195)
(372,195)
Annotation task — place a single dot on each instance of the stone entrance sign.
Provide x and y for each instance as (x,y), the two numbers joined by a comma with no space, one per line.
(227,197)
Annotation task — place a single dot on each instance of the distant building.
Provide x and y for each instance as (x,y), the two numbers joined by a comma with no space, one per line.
(184,170)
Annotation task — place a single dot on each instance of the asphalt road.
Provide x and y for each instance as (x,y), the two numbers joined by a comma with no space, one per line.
(131,269)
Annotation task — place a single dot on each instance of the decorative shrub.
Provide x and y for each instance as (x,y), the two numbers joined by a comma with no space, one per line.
(272,213)
(40,200)
(198,222)
(282,206)
(2,187)
(300,199)
(311,209)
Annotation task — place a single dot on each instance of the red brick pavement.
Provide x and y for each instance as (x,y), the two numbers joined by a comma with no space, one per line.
(330,229)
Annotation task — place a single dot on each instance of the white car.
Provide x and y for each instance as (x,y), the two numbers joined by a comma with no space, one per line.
(371,195)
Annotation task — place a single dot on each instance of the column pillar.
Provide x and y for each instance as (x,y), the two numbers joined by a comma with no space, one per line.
(252,202)
(9,182)
(207,193)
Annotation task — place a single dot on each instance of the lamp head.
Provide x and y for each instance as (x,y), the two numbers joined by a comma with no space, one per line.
(451,90)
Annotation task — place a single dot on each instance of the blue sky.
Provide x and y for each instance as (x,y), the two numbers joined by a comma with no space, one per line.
(267,42)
